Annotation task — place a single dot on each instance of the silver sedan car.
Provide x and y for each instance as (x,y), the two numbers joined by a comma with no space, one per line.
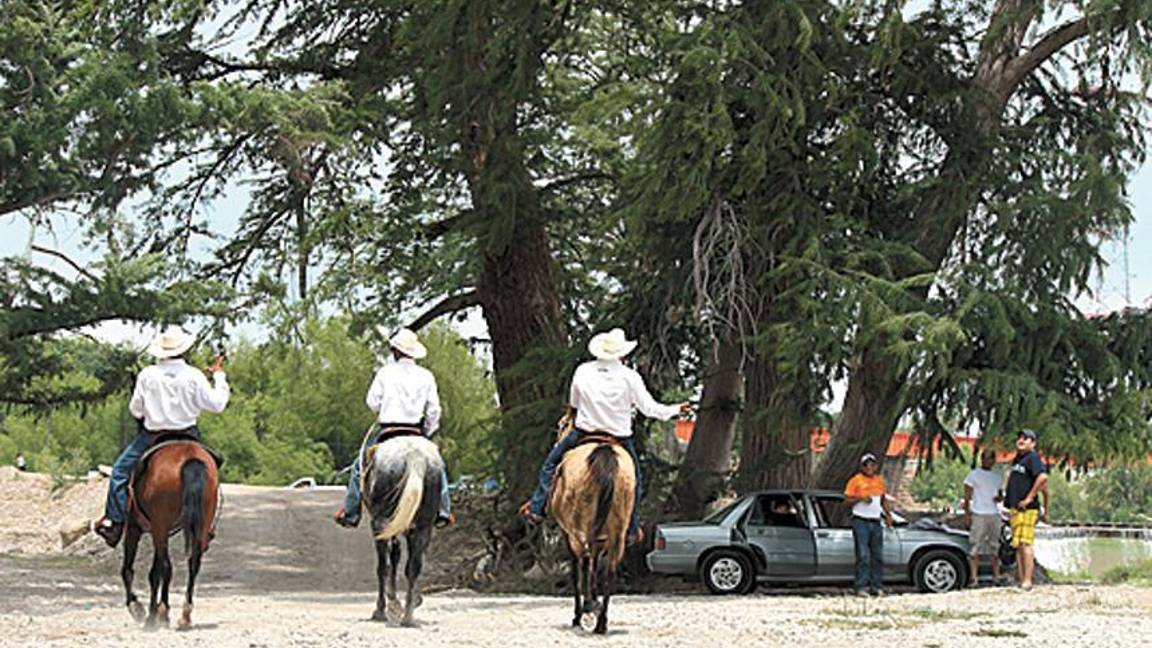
(802,537)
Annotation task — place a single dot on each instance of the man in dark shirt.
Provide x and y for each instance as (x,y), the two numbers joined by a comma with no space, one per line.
(1025,481)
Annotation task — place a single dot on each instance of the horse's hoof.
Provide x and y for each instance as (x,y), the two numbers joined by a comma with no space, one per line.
(600,629)
(162,615)
(185,622)
(419,600)
(136,610)
(150,624)
(379,615)
(408,621)
(589,621)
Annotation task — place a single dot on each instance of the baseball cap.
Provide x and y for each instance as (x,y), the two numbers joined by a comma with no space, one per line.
(1027,433)
(867,458)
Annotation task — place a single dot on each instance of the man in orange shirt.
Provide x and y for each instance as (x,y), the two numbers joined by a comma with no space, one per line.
(866,493)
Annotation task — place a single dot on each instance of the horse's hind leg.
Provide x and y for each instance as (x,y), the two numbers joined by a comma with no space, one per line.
(417,542)
(194,555)
(131,544)
(608,582)
(382,569)
(395,610)
(158,578)
(576,580)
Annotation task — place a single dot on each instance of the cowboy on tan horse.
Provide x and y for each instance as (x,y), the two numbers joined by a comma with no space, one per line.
(406,401)
(168,398)
(604,393)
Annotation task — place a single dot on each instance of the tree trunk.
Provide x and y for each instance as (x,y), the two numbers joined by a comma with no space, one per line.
(704,471)
(776,450)
(522,310)
(872,408)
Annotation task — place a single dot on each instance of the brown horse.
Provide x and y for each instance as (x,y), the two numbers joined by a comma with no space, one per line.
(177,491)
(592,501)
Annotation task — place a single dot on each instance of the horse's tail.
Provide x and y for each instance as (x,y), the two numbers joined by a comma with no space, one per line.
(411,493)
(602,467)
(193,481)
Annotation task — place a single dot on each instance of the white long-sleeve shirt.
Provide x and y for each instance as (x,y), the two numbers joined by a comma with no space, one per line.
(170,395)
(405,392)
(604,392)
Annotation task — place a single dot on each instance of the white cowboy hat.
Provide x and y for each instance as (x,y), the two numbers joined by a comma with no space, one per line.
(612,345)
(171,343)
(406,342)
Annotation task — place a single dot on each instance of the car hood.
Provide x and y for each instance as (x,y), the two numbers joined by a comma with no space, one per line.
(928,524)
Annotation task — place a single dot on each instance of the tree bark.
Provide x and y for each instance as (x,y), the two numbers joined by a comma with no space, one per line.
(776,450)
(704,471)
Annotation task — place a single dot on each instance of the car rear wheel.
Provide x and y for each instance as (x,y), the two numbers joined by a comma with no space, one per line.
(939,571)
(728,572)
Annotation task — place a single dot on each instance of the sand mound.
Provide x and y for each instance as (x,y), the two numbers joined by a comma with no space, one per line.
(44,518)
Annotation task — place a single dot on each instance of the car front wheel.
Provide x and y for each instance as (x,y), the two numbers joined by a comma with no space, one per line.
(727,572)
(939,571)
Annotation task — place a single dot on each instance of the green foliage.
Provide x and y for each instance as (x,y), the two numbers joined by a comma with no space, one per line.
(941,482)
(295,411)
(1117,495)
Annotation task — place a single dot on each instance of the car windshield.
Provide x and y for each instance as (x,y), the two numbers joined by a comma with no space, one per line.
(718,516)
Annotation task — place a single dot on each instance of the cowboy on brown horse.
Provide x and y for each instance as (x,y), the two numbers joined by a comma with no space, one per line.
(168,398)
(604,393)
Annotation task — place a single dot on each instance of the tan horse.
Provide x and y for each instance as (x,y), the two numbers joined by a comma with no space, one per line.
(592,500)
(177,491)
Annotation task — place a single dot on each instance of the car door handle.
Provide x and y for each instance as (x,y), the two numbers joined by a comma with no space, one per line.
(823,534)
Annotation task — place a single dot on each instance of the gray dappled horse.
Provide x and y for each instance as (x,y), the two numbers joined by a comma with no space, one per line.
(402,496)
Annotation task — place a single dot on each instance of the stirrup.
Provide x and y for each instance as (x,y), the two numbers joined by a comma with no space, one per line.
(347,521)
(525,512)
(110,531)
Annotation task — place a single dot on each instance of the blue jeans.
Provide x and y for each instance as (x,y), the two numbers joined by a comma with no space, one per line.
(116,507)
(869,537)
(352,498)
(548,473)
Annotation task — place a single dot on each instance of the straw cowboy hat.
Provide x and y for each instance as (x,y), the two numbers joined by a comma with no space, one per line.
(612,345)
(171,343)
(406,342)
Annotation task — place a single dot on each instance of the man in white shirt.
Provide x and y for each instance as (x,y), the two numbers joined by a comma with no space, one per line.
(603,393)
(168,398)
(982,514)
(405,399)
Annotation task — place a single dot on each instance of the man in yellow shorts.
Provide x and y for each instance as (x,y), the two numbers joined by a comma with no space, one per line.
(1026,480)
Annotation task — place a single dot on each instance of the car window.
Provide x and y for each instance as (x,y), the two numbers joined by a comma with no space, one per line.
(833,512)
(776,510)
(718,516)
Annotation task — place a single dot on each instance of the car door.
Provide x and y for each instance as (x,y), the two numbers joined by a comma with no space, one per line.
(776,526)
(835,548)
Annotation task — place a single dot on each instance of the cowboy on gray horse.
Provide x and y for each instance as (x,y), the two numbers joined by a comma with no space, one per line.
(404,397)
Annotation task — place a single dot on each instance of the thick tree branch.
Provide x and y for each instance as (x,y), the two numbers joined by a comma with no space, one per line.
(446,306)
(1044,49)
(39,201)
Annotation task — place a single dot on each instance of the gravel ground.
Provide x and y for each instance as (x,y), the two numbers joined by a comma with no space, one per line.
(281,574)
(70,605)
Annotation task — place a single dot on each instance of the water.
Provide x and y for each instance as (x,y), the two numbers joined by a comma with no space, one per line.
(1081,552)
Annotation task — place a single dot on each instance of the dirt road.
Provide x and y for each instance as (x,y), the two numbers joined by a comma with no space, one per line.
(281,574)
